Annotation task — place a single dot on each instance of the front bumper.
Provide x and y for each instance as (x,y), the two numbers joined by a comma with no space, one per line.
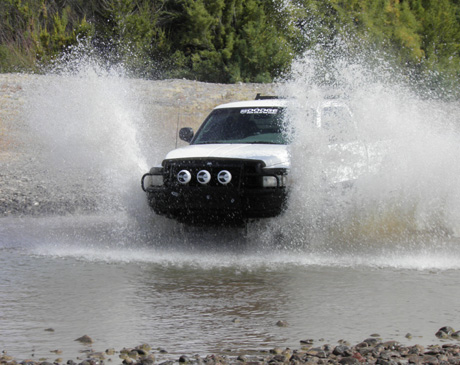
(221,204)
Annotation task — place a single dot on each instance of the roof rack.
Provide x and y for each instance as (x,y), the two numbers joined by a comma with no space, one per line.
(265,97)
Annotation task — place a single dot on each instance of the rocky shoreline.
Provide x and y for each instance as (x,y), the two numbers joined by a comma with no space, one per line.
(372,350)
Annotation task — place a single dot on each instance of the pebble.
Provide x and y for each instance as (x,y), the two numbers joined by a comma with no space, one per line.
(282,324)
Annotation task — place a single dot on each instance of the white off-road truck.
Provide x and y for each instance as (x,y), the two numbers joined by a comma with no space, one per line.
(237,165)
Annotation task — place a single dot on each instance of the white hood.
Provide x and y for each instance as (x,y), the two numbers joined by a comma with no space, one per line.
(274,155)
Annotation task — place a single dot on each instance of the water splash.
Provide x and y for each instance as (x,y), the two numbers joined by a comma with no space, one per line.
(89,122)
(86,117)
(411,141)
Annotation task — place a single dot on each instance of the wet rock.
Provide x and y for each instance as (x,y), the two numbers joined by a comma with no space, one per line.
(242,358)
(278,358)
(447,329)
(307,342)
(442,335)
(147,360)
(349,360)
(414,359)
(85,340)
(342,350)
(276,350)
(430,360)
(416,349)
(372,341)
(282,324)
(317,352)
(144,347)
(183,359)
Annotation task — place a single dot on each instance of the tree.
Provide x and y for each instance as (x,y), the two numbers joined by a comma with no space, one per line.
(228,41)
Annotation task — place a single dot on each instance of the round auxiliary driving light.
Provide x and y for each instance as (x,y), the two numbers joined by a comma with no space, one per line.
(184,177)
(203,177)
(224,177)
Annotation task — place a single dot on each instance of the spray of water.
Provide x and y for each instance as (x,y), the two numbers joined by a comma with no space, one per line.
(91,132)
(410,190)
(86,120)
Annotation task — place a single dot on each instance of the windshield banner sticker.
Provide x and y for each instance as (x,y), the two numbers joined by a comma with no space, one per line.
(259,111)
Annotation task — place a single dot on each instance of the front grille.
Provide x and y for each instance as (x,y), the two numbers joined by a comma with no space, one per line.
(244,172)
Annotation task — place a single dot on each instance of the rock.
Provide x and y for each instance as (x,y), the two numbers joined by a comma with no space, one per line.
(85,339)
(430,360)
(448,330)
(442,335)
(183,359)
(276,350)
(317,352)
(307,342)
(282,324)
(149,359)
(278,358)
(242,358)
(372,341)
(342,350)
(349,360)
(391,345)
(145,347)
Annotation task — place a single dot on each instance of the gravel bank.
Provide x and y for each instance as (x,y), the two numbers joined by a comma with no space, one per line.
(372,350)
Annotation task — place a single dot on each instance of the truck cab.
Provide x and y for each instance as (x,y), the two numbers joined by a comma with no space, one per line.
(236,166)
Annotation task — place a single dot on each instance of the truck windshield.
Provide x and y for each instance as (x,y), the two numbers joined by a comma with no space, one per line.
(243,125)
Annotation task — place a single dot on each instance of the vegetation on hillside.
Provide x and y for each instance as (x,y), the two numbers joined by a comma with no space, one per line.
(230,40)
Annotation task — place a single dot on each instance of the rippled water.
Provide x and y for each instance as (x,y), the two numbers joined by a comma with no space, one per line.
(382,258)
(204,294)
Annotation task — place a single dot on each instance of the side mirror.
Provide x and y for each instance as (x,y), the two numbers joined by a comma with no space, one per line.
(186,134)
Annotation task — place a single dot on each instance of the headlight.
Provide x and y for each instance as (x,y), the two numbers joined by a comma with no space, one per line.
(184,177)
(224,177)
(203,177)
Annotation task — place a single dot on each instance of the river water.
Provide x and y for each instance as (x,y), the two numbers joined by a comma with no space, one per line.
(209,292)
(384,258)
